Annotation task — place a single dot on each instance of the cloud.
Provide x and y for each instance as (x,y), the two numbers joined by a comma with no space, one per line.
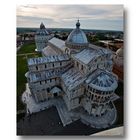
(29,6)
(63,15)
(31,21)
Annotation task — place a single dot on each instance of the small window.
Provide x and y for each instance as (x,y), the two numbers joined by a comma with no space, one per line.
(91,96)
(45,66)
(60,63)
(40,83)
(53,64)
(36,67)
(82,67)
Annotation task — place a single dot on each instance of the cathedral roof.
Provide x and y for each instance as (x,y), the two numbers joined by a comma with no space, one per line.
(91,53)
(86,55)
(48,59)
(77,36)
(72,78)
(58,43)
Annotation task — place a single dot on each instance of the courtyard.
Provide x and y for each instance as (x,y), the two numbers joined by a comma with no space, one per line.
(51,125)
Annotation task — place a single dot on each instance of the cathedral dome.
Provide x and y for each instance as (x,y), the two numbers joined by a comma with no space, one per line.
(42,31)
(77,37)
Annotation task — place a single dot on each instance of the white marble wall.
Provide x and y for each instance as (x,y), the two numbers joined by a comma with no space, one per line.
(41,41)
(40,89)
(71,104)
(47,66)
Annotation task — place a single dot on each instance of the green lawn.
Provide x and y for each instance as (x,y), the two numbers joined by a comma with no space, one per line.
(21,79)
(27,48)
(22,69)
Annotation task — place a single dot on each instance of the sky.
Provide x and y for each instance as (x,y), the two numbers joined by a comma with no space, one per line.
(106,17)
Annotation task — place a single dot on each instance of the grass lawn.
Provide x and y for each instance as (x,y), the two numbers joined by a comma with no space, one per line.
(22,69)
(27,48)
(21,79)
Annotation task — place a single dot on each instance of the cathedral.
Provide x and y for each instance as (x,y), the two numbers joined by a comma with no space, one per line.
(78,73)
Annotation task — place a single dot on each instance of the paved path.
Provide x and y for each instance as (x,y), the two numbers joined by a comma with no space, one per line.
(25,54)
(119,131)
(48,122)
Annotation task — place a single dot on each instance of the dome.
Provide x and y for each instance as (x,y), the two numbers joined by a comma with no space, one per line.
(119,52)
(42,26)
(104,82)
(118,57)
(42,31)
(77,36)
(41,38)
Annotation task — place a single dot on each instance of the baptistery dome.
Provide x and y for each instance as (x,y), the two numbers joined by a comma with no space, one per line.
(77,38)
(42,31)
(41,37)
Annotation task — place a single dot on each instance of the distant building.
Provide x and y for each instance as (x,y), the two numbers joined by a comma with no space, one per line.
(41,38)
(113,45)
(118,63)
(78,72)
